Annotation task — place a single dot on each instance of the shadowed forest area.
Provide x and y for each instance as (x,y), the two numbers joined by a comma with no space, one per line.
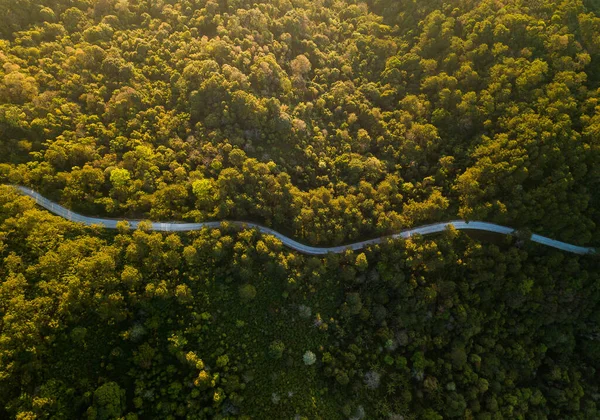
(331,121)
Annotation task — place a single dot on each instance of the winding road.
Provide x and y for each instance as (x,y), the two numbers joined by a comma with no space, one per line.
(306,249)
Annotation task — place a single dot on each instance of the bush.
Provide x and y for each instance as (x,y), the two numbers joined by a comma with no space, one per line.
(276,349)
(247,292)
(304,311)
(372,379)
(342,378)
(309,358)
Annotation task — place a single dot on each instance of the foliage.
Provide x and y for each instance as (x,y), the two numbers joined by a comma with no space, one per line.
(330,121)
(333,121)
(101,325)
(309,358)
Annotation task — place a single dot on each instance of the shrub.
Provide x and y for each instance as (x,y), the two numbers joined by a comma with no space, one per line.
(372,379)
(309,358)
(342,378)
(247,292)
(276,349)
(304,311)
(222,361)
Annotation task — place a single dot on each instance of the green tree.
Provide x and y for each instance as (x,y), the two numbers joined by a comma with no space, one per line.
(276,349)
(109,402)
(247,292)
(120,177)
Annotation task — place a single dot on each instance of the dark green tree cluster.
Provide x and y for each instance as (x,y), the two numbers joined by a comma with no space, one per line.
(229,324)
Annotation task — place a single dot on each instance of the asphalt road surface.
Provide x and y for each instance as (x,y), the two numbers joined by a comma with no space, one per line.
(305,249)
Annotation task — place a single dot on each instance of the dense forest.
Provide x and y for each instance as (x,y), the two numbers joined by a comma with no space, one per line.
(330,121)
(224,324)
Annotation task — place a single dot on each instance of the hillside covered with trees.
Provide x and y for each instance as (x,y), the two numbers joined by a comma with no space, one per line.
(330,121)
(322,118)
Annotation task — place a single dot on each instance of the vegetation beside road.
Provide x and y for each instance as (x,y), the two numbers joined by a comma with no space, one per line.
(330,121)
(217,323)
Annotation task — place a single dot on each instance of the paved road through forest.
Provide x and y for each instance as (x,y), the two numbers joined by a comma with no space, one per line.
(306,249)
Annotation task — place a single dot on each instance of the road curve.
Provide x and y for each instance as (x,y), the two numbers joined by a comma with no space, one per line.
(305,249)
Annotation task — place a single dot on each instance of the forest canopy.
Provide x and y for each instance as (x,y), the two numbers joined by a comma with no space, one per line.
(330,121)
